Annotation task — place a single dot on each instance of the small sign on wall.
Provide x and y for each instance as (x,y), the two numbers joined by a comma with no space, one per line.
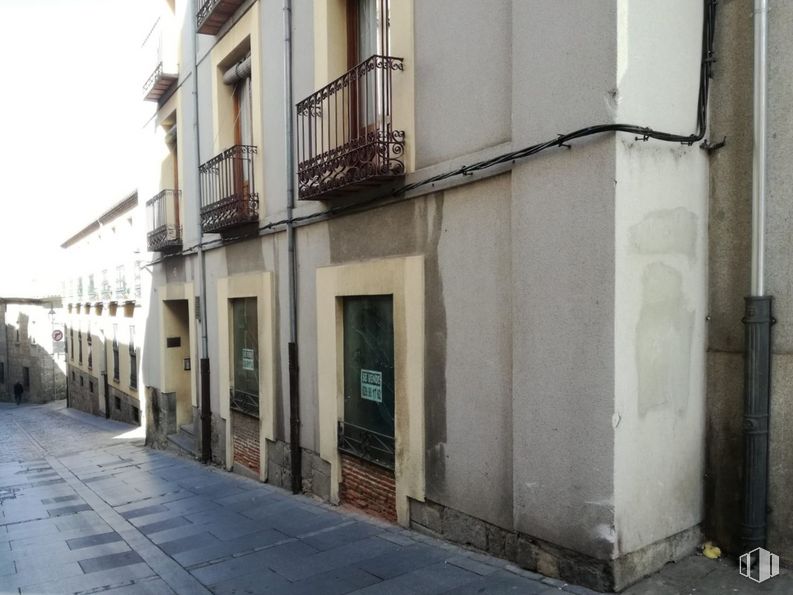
(247,359)
(372,385)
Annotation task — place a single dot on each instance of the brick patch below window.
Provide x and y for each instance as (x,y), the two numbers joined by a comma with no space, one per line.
(245,440)
(368,487)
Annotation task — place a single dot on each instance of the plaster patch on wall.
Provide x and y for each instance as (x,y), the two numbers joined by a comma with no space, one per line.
(669,231)
(663,340)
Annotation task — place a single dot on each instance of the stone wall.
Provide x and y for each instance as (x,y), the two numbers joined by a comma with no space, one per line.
(542,556)
(25,342)
(160,417)
(123,407)
(83,391)
(315,471)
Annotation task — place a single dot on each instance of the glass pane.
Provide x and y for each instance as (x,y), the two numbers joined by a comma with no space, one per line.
(367,29)
(246,346)
(369,363)
(243,91)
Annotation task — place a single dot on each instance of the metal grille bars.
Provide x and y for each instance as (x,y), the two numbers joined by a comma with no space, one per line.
(228,194)
(345,132)
(366,444)
(244,402)
(162,213)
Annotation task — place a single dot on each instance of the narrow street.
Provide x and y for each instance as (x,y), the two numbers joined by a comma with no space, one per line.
(86,508)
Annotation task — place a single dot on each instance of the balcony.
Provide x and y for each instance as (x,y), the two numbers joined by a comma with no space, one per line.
(92,293)
(228,194)
(159,54)
(158,83)
(345,135)
(122,289)
(213,14)
(107,290)
(165,233)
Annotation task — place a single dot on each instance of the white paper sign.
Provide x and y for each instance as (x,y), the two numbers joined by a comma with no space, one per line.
(247,359)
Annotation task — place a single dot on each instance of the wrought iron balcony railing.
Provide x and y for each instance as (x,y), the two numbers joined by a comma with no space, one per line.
(91,293)
(345,134)
(228,193)
(165,233)
(107,290)
(158,83)
(213,14)
(122,290)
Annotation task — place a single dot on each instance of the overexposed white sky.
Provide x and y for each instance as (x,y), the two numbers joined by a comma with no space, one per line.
(71,112)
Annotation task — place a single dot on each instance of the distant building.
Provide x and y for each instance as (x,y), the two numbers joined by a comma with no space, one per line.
(32,349)
(105,313)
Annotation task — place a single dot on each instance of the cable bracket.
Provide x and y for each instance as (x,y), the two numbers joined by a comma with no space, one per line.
(706,145)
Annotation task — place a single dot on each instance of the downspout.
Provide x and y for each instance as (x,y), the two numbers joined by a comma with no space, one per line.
(8,374)
(105,384)
(294,368)
(206,405)
(758,318)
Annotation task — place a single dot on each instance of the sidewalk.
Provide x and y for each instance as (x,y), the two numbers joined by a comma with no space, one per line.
(85,507)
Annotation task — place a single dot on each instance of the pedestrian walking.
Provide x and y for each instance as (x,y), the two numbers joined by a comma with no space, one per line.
(18,390)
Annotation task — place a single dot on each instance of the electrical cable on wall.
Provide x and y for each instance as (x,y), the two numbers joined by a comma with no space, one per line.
(643,133)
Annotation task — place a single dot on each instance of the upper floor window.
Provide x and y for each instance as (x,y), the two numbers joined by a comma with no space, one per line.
(347,137)
(89,341)
(133,359)
(368,32)
(116,371)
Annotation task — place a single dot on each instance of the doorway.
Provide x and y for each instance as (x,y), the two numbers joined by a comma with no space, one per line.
(176,361)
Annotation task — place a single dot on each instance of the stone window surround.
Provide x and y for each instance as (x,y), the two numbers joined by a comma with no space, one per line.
(260,286)
(402,277)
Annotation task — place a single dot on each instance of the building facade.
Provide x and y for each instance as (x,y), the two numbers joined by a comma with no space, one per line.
(405,258)
(32,349)
(105,314)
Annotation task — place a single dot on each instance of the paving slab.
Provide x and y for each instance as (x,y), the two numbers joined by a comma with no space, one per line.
(88,511)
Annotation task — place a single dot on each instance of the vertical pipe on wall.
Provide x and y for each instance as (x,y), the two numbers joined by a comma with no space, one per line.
(294,387)
(206,405)
(758,318)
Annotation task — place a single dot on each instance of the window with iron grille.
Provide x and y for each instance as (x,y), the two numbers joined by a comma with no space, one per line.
(80,346)
(116,374)
(133,359)
(2,373)
(71,338)
(367,430)
(245,390)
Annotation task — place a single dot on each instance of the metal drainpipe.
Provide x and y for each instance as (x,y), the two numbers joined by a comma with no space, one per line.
(105,384)
(758,319)
(294,368)
(206,405)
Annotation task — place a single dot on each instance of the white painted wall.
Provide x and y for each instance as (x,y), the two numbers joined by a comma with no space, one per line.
(661,202)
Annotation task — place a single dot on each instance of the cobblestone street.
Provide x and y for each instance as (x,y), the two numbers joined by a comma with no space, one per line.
(84,507)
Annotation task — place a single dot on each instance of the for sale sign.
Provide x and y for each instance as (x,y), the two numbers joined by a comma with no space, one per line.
(372,385)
